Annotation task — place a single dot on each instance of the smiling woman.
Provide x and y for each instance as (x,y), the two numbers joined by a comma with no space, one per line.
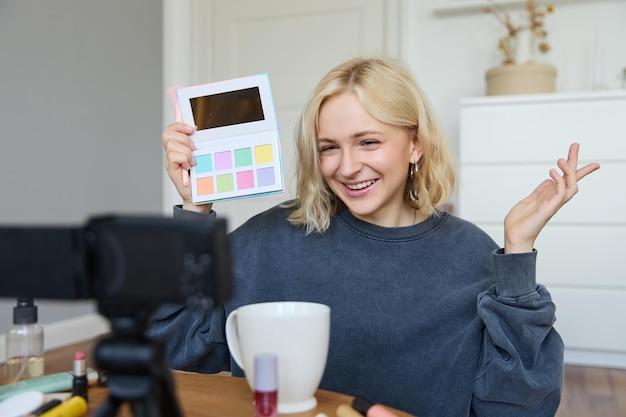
(382,109)
(426,310)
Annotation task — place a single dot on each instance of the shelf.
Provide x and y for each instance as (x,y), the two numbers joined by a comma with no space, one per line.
(543,98)
(455,7)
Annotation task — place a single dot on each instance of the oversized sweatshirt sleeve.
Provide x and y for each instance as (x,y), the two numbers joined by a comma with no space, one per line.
(194,337)
(520,370)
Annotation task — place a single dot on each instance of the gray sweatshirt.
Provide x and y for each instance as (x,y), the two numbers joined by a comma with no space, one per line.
(432,319)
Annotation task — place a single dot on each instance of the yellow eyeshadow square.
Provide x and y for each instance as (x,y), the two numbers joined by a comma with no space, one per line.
(263,154)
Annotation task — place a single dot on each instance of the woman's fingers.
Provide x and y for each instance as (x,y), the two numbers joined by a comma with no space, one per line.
(527,218)
(571,173)
(178,151)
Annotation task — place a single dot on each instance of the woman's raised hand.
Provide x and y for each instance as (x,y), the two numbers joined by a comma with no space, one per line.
(179,160)
(528,217)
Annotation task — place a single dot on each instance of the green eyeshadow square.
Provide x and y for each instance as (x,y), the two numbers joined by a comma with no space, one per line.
(225,183)
(243,157)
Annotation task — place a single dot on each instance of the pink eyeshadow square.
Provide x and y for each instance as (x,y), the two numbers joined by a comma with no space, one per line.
(245,179)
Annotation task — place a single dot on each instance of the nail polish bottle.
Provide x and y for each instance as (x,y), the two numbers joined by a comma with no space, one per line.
(265,385)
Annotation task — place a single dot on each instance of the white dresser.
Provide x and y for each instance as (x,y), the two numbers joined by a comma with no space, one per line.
(507,146)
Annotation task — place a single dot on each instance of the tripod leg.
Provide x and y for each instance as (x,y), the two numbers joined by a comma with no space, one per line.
(139,374)
(167,400)
(109,408)
(143,409)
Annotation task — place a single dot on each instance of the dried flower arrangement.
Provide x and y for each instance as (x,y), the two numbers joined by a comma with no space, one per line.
(534,22)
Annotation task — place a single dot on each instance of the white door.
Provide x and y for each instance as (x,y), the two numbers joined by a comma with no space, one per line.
(296,42)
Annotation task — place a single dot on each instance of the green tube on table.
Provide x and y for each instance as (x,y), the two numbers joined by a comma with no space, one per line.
(58,382)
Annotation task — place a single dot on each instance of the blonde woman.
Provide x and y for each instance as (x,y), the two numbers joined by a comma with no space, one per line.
(428,315)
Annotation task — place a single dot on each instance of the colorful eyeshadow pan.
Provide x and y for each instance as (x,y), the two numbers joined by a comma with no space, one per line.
(223,161)
(263,154)
(205,186)
(245,180)
(225,183)
(204,163)
(265,177)
(243,157)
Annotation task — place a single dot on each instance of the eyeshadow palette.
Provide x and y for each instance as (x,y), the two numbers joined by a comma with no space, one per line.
(237,139)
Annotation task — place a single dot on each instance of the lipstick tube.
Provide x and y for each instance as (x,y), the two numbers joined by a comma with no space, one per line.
(79,380)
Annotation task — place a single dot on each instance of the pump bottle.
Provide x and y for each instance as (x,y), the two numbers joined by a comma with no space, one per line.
(24,343)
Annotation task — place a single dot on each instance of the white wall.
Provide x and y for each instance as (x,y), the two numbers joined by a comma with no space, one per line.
(450,53)
(80,116)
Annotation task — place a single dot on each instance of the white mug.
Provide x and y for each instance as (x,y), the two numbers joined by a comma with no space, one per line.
(297,333)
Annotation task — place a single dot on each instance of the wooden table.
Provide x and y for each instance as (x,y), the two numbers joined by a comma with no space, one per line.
(199,395)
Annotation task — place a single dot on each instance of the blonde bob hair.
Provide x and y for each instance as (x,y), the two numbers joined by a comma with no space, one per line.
(388,91)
